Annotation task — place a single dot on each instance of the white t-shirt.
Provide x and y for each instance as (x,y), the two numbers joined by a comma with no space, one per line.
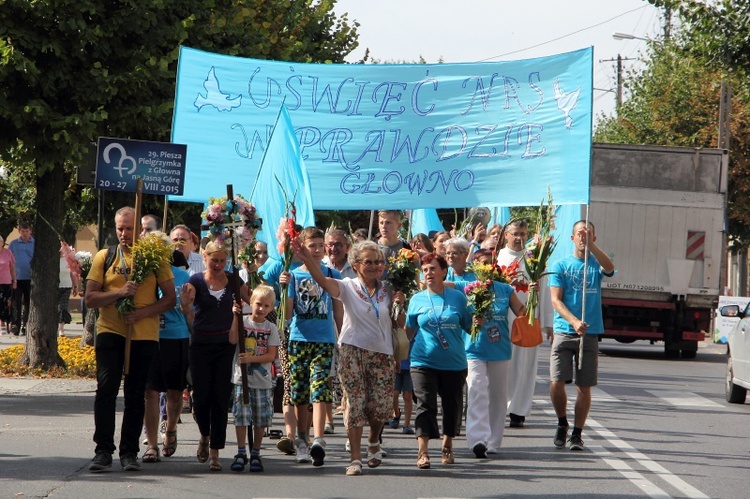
(65,280)
(257,337)
(364,327)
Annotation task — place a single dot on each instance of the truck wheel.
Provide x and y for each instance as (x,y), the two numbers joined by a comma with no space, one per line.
(671,352)
(735,394)
(688,354)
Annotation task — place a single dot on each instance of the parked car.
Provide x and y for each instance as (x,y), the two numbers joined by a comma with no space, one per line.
(738,354)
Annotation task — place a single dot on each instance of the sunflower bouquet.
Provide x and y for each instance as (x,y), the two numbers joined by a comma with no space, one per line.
(480,295)
(538,251)
(149,253)
(403,272)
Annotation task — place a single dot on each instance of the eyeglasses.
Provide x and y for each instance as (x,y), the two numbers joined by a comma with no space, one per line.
(453,253)
(335,245)
(368,263)
(179,240)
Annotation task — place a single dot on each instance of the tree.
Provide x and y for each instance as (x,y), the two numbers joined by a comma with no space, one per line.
(675,100)
(73,71)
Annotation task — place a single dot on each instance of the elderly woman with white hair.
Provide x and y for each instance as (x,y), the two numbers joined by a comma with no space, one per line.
(365,346)
(457,254)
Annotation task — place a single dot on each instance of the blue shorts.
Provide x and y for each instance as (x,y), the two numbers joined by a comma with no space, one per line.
(403,382)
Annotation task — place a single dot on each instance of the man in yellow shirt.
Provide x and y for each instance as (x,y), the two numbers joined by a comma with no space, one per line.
(104,288)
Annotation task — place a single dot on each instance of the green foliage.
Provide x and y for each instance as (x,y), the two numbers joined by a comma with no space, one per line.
(72,71)
(675,99)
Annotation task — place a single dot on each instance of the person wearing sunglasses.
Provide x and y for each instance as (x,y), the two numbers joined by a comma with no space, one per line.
(365,345)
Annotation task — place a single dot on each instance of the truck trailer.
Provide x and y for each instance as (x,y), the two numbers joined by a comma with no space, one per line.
(660,214)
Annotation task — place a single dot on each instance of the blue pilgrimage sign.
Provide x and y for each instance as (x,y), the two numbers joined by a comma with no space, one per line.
(120,162)
(384,136)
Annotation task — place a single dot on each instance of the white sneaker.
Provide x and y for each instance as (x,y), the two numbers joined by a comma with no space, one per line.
(493,450)
(302,451)
(318,451)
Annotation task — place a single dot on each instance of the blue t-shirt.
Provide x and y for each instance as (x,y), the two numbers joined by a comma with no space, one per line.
(460,280)
(568,275)
(313,308)
(174,326)
(494,337)
(22,253)
(272,270)
(454,318)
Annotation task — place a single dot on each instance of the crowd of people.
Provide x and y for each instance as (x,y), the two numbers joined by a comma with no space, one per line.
(335,351)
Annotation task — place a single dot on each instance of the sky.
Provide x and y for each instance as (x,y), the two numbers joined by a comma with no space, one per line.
(503,30)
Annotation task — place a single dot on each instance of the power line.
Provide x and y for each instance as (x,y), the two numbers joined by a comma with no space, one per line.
(563,36)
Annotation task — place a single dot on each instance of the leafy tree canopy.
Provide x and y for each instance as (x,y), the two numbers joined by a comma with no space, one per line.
(675,99)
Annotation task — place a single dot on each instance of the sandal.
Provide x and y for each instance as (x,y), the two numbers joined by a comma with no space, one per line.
(151,455)
(354,468)
(215,464)
(374,458)
(448,455)
(239,463)
(256,464)
(423,461)
(168,448)
(202,450)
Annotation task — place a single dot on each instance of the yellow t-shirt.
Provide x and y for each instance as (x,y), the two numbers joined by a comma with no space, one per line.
(110,320)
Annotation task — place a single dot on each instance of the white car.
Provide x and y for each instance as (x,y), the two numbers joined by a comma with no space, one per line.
(738,354)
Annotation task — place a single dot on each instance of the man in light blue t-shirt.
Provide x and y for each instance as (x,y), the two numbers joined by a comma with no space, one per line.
(566,282)
(23,251)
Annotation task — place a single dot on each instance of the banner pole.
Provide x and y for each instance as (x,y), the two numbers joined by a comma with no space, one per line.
(583,290)
(372,220)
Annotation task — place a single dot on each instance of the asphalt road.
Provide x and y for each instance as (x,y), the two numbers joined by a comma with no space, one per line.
(658,428)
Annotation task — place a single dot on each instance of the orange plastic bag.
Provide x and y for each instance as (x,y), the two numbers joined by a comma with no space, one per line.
(524,334)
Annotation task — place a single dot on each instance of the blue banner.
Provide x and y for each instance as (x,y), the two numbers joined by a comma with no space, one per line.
(282,177)
(394,136)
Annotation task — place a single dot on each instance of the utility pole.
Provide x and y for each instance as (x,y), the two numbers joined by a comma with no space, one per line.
(618,60)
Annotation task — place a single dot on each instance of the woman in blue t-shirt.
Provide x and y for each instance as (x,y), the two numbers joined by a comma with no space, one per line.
(438,318)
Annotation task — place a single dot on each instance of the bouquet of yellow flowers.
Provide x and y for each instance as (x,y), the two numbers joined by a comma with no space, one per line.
(403,271)
(480,295)
(149,254)
(538,251)
(509,274)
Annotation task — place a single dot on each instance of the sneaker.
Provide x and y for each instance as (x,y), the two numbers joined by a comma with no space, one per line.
(328,430)
(576,443)
(393,423)
(516,421)
(480,450)
(318,452)
(408,430)
(285,445)
(303,452)
(493,450)
(101,461)
(561,435)
(129,462)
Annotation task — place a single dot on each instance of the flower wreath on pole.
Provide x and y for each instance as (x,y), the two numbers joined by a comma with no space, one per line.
(224,217)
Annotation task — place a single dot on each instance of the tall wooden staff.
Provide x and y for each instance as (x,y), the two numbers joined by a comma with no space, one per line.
(237,288)
(136,233)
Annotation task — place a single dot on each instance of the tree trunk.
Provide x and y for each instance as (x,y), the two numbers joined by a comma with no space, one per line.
(41,340)
(89,327)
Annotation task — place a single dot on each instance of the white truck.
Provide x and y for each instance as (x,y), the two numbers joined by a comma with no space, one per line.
(659,212)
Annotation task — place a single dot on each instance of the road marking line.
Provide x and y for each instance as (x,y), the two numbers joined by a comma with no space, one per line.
(685,488)
(684,399)
(649,488)
(645,461)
